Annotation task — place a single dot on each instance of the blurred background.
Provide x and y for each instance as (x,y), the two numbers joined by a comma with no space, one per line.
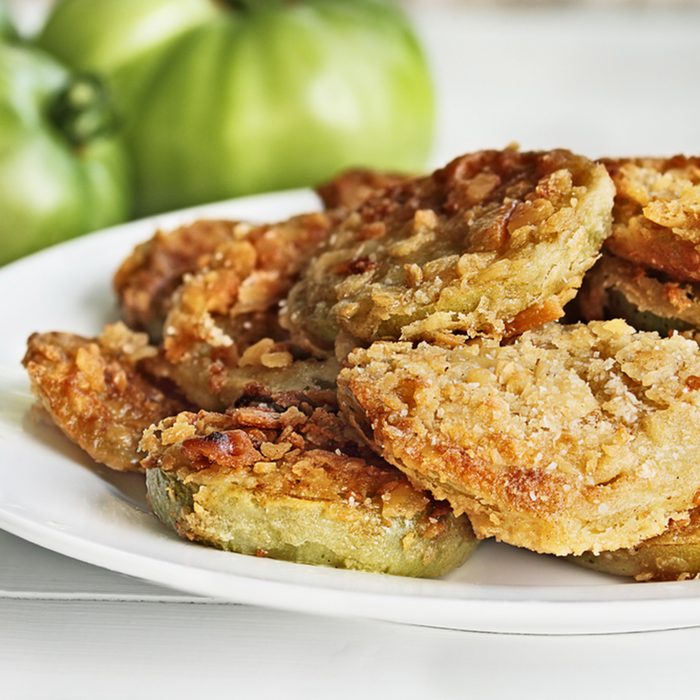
(206,111)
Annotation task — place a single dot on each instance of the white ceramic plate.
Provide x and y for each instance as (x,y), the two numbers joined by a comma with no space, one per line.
(53,495)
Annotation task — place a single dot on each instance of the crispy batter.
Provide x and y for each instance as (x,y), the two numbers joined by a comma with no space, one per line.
(101,393)
(148,277)
(295,484)
(495,240)
(615,288)
(672,556)
(247,435)
(146,280)
(214,378)
(657,214)
(572,438)
(352,187)
(245,276)
(222,332)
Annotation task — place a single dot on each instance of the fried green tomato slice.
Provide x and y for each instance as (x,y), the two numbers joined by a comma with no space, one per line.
(672,556)
(148,277)
(657,214)
(293,484)
(222,332)
(647,300)
(146,280)
(570,439)
(102,393)
(493,244)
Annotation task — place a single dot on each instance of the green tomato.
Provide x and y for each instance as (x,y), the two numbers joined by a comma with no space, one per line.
(271,94)
(61,174)
(7,30)
(120,39)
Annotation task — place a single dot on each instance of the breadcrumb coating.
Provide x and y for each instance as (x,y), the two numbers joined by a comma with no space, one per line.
(572,438)
(492,244)
(148,277)
(673,555)
(352,187)
(103,392)
(146,280)
(646,300)
(223,332)
(657,214)
(301,440)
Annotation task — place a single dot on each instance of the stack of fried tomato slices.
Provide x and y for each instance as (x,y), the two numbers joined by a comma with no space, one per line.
(381,384)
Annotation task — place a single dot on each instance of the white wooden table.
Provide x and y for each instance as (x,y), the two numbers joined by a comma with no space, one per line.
(601,83)
(69,630)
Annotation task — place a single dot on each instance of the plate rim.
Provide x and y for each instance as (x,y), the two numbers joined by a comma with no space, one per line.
(492,614)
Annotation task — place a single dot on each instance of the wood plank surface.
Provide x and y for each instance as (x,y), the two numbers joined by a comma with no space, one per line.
(85,650)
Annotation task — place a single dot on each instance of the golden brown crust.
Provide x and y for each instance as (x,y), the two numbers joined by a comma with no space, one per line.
(245,276)
(223,333)
(467,249)
(352,187)
(304,452)
(147,278)
(214,378)
(618,288)
(657,214)
(572,438)
(100,392)
(673,555)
